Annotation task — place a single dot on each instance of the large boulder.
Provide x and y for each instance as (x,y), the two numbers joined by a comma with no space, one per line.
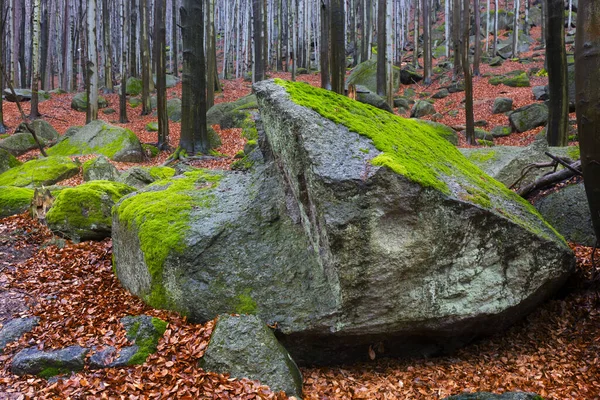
(80,102)
(364,95)
(24,95)
(502,105)
(140,177)
(567,210)
(99,169)
(133,86)
(40,172)
(365,74)
(20,143)
(224,112)
(98,137)
(245,347)
(372,228)
(506,163)
(421,109)
(42,129)
(7,161)
(47,364)
(174,110)
(529,117)
(84,212)
(14,200)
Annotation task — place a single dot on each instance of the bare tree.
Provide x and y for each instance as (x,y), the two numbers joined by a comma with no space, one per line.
(325,44)
(381,46)
(338,46)
(587,83)
(259,65)
(92,63)
(35,58)
(470,121)
(160,44)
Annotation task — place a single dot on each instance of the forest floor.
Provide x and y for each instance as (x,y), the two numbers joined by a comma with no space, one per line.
(554,352)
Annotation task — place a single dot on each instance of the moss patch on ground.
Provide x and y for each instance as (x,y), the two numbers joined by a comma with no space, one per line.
(43,171)
(415,150)
(160,217)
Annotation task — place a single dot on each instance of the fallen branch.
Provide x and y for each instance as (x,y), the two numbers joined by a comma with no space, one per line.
(550,179)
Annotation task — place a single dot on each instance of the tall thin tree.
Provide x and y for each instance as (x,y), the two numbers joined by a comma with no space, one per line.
(338,46)
(257,33)
(470,120)
(381,47)
(325,44)
(146,67)
(35,58)
(92,62)
(160,58)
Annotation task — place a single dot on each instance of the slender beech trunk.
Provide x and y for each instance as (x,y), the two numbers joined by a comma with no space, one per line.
(174,43)
(470,120)
(35,59)
(556,60)
(338,46)
(495,47)
(160,58)
(2,32)
(211,54)
(587,78)
(92,63)
(456,34)
(146,67)
(416,35)
(133,69)
(477,58)
(515,37)
(194,135)
(125,8)
(381,47)
(108,76)
(44,45)
(325,45)
(257,32)
(426,42)
(65,47)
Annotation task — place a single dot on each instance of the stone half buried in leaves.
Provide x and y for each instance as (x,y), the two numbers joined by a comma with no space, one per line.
(359,230)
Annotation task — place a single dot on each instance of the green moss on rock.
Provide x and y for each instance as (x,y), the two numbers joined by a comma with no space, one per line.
(14,200)
(44,171)
(160,217)
(159,172)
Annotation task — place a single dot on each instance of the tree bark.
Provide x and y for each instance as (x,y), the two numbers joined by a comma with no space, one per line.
(556,60)
(146,67)
(325,45)
(35,59)
(257,32)
(211,51)
(3,27)
(92,63)
(381,48)
(108,77)
(125,8)
(587,78)
(477,57)
(427,42)
(456,35)
(194,135)
(338,46)
(174,43)
(470,120)
(160,54)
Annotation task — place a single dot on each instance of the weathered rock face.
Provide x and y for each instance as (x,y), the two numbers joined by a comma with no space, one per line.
(529,117)
(20,143)
(568,211)
(48,363)
(14,329)
(7,161)
(422,108)
(84,212)
(343,239)
(99,137)
(99,169)
(245,347)
(42,129)
(174,110)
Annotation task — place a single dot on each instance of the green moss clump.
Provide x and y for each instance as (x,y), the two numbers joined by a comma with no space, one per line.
(151,151)
(160,217)
(159,173)
(573,152)
(483,156)
(43,171)
(67,148)
(245,304)
(53,371)
(86,165)
(147,343)
(14,200)
(83,206)
(410,148)
(486,143)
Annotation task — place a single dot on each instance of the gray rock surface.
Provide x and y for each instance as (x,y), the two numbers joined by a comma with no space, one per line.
(101,359)
(567,210)
(7,161)
(174,110)
(47,364)
(365,74)
(14,329)
(20,143)
(492,396)
(42,129)
(443,93)
(540,93)
(100,169)
(529,117)
(80,102)
(99,137)
(364,95)
(137,177)
(24,95)
(144,331)
(219,112)
(501,131)
(134,86)
(338,251)
(502,105)
(506,163)
(245,347)
(422,108)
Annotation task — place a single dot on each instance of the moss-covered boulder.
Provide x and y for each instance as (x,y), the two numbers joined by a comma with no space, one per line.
(84,212)
(502,105)
(133,86)
(567,210)
(361,227)
(421,109)
(140,177)
(80,102)
(152,126)
(501,131)
(14,200)
(144,331)
(24,95)
(20,143)
(7,161)
(244,347)
(529,117)
(364,95)
(174,110)
(231,115)
(42,129)
(99,169)
(365,74)
(41,172)
(98,137)
(519,80)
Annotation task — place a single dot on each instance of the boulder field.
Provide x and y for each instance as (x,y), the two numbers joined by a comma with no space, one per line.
(355,231)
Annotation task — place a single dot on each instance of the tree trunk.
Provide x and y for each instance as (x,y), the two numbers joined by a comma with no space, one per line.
(495,46)
(477,57)
(456,34)
(381,47)
(2,126)
(174,44)
(35,59)
(325,45)
(587,73)
(92,63)
(44,46)
(416,36)
(125,8)
(338,46)
(556,60)
(108,77)
(470,121)
(160,55)
(133,70)
(515,42)
(257,32)
(146,67)
(194,135)
(426,42)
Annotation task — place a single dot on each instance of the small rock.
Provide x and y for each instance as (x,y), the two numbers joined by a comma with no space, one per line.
(245,347)
(100,359)
(443,93)
(137,177)
(502,105)
(144,331)
(174,110)
(99,169)
(540,93)
(421,109)
(48,363)
(501,131)
(152,126)
(14,329)
(457,87)
(529,117)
